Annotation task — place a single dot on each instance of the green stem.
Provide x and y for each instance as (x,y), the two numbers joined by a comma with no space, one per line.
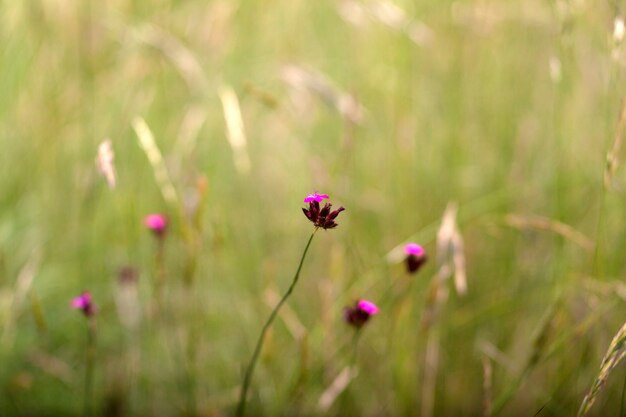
(90,359)
(241,407)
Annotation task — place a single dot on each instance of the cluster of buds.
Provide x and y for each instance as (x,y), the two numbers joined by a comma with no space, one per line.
(360,313)
(84,303)
(415,257)
(321,217)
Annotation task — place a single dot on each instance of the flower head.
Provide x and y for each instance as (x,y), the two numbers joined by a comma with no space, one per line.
(360,313)
(157,223)
(416,257)
(84,302)
(321,217)
(315,197)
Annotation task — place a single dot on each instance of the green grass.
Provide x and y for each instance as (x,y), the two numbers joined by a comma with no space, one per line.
(472,117)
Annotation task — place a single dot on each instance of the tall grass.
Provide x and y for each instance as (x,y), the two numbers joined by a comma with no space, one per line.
(395,109)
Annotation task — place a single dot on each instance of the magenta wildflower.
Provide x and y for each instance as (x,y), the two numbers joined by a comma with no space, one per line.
(360,313)
(84,303)
(315,197)
(416,257)
(323,217)
(157,223)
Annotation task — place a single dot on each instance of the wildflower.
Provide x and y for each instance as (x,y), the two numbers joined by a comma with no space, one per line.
(358,315)
(127,275)
(315,197)
(83,302)
(323,217)
(157,223)
(416,257)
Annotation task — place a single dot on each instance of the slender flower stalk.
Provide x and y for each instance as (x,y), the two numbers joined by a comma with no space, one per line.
(84,303)
(241,407)
(158,224)
(321,218)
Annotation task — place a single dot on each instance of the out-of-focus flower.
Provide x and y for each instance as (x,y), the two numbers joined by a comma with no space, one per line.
(315,197)
(157,223)
(323,217)
(415,257)
(84,303)
(127,275)
(360,313)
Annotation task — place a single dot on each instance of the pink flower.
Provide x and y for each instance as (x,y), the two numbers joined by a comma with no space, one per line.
(84,303)
(157,223)
(414,249)
(360,313)
(321,217)
(315,197)
(368,307)
(416,257)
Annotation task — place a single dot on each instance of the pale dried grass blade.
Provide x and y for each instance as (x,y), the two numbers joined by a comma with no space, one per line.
(521,222)
(22,287)
(339,384)
(446,232)
(182,57)
(492,352)
(458,259)
(194,118)
(105,162)
(54,366)
(314,82)
(450,244)
(235,129)
(619,30)
(487,386)
(612,157)
(149,146)
(431,364)
(612,358)
(388,14)
(295,326)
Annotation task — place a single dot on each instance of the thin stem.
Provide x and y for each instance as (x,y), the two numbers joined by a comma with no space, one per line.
(90,359)
(159,280)
(241,407)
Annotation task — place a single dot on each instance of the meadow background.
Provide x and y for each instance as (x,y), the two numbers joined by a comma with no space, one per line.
(508,111)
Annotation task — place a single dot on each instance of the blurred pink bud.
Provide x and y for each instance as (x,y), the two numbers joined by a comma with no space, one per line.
(157,223)
(84,303)
(416,257)
(358,315)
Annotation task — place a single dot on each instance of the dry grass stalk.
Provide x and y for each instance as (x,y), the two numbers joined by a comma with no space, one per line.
(431,363)
(53,366)
(339,384)
(450,258)
(104,162)
(489,350)
(450,245)
(522,222)
(182,57)
(235,129)
(388,14)
(194,118)
(612,358)
(293,323)
(22,288)
(612,157)
(487,386)
(149,146)
(314,82)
